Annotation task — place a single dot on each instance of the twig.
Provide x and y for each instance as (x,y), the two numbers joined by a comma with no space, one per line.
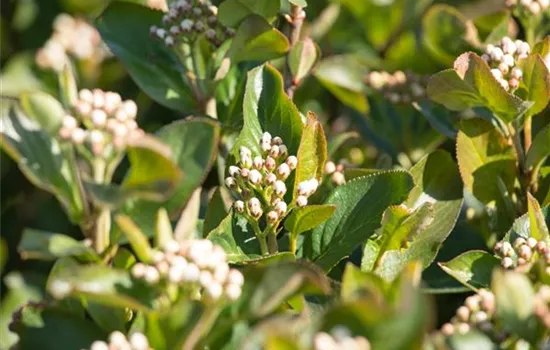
(296,20)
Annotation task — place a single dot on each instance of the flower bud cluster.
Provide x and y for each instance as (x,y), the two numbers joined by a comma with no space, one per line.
(397,87)
(118,341)
(336,173)
(187,19)
(264,177)
(339,338)
(106,119)
(197,264)
(71,36)
(503,60)
(523,253)
(542,305)
(478,311)
(530,7)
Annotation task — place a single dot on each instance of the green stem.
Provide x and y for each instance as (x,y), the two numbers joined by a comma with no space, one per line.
(259,236)
(204,324)
(293,241)
(528,132)
(102,225)
(273,246)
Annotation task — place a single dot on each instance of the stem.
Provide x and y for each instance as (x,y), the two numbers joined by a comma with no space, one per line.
(102,225)
(528,132)
(210,108)
(260,237)
(297,17)
(203,325)
(272,241)
(293,240)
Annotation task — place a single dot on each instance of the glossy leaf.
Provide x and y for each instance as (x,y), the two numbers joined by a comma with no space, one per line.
(302,57)
(217,210)
(537,224)
(46,163)
(312,154)
(43,245)
(522,225)
(342,76)
(359,207)
(136,237)
(268,108)
(539,150)
(446,33)
(304,219)
(44,109)
(257,40)
(473,269)
(471,84)
(535,83)
(233,12)
(125,29)
(437,185)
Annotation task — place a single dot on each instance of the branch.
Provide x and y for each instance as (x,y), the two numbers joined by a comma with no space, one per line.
(296,20)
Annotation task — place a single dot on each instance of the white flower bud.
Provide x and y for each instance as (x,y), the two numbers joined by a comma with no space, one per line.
(479,317)
(65,133)
(523,47)
(513,83)
(69,122)
(504,84)
(284,150)
(175,30)
(256,212)
(175,273)
(152,275)
(281,208)
(230,182)
(78,136)
(199,26)
(507,262)
(245,151)
(486,57)
(272,216)
(234,171)
(99,117)
(496,73)
(214,290)
(83,108)
(161,33)
(205,278)
(275,151)
(233,291)
(60,289)
(283,171)
(301,201)
(338,178)
(245,173)
(531,242)
(544,4)
(186,25)
(197,11)
(118,339)
(292,162)
(139,341)
(235,277)
(509,60)
(191,273)
(266,137)
(210,34)
(138,270)
(323,341)
(517,73)
(99,345)
(463,313)
(86,95)
(99,98)
(169,41)
(279,188)
(265,146)
(330,167)
(254,203)
(270,179)
(535,8)
(255,177)
(463,328)
(238,206)
(496,54)
(270,164)
(258,162)
(277,141)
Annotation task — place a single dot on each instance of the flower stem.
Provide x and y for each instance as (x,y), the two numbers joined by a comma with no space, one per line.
(204,324)
(296,22)
(102,224)
(293,241)
(528,132)
(272,242)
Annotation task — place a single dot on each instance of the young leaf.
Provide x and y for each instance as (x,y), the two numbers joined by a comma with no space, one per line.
(539,150)
(437,185)
(471,84)
(125,28)
(135,236)
(234,240)
(487,164)
(537,223)
(357,284)
(302,57)
(359,207)
(43,245)
(304,219)
(473,269)
(44,109)
(233,12)
(257,40)
(268,108)
(46,163)
(217,210)
(312,154)
(535,83)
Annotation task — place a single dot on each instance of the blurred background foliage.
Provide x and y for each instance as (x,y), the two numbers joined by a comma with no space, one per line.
(354,36)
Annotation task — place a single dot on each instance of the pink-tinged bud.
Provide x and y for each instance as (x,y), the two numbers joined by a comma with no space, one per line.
(301,201)
(233,292)
(121,115)
(258,162)
(507,262)
(254,203)
(238,206)
(277,141)
(130,108)
(270,164)
(275,151)
(270,179)
(284,150)
(330,167)
(99,117)
(86,95)
(283,171)
(255,177)
(265,146)
(448,329)
(292,162)
(83,108)
(78,136)
(532,242)
(99,98)
(65,133)
(281,208)
(513,83)
(272,216)
(120,130)
(138,270)
(69,122)
(279,188)
(256,212)
(496,73)
(214,290)
(231,183)
(245,173)
(517,73)
(338,178)
(234,171)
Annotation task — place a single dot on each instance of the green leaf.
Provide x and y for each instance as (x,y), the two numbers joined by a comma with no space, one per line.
(306,218)
(339,140)
(473,269)
(217,210)
(67,86)
(537,223)
(257,40)
(535,83)
(437,185)
(301,3)
(471,340)
(43,245)
(234,240)
(343,77)
(136,237)
(44,109)
(447,33)
(37,329)
(514,298)
(540,149)
(125,28)
(438,117)
(108,318)
(46,163)
(522,225)
(302,57)
(233,12)
(312,154)
(268,108)
(493,26)
(103,285)
(487,164)
(359,207)
(357,284)
(471,84)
